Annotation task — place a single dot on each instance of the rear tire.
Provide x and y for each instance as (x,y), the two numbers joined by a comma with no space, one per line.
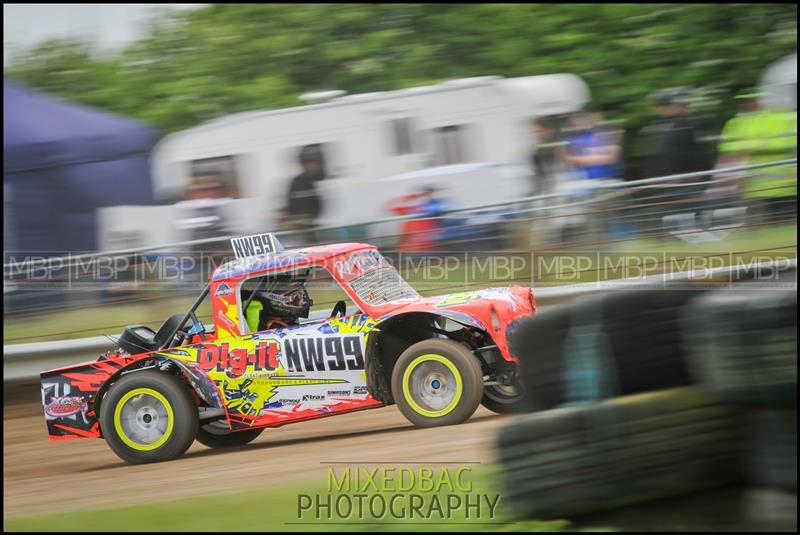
(148,416)
(218,435)
(437,382)
(505,399)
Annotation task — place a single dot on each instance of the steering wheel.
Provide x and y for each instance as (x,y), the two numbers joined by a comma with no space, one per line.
(339,309)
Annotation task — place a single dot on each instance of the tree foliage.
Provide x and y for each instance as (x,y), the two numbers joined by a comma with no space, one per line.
(193,66)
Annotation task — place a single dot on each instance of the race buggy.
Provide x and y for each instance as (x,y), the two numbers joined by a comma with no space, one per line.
(259,366)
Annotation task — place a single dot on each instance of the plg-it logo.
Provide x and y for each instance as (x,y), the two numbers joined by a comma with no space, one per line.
(235,362)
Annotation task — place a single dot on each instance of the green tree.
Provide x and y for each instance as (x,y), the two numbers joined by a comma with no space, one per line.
(193,66)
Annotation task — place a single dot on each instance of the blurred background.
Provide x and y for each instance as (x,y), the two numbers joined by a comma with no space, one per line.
(420,128)
(134,125)
(156,132)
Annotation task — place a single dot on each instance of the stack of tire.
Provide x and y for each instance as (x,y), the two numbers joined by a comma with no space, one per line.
(604,346)
(576,460)
(629,407)
(743,348)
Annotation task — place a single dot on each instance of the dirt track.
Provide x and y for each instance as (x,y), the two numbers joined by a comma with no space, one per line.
(42,476)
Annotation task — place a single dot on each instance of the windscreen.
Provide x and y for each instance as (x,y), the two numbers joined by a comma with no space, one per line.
(374,279)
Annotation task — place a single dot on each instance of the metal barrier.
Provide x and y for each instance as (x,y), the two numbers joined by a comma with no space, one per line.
(600,215)
(70,260)
(25,361)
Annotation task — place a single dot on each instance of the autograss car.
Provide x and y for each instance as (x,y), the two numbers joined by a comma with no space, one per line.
(436,358)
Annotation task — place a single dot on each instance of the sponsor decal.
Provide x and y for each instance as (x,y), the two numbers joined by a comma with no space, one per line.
(223,290)
(311,397)
(361,262)
(273,405)
(255,264)
(235,362)
(327,328)
(457,299)
(225,320)
(327,353)
(285,299)
(251,395)
(360,390)
(237,394)
(466,297)
(338,392)
(65,406)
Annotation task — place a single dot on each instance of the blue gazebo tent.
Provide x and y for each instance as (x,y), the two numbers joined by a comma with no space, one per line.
(62,161)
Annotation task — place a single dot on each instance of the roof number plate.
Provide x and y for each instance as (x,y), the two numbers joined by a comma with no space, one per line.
(255,245)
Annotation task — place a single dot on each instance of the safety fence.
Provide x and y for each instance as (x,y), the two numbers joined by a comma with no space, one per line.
(25,361)
(578,232)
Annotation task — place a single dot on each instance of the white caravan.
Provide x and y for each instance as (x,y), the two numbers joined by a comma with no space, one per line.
(453,135)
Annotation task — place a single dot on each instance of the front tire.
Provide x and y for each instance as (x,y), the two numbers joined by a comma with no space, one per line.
(437,382)
(148,416)
(219,435)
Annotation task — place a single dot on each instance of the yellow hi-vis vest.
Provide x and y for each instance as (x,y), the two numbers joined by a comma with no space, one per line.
(764,136)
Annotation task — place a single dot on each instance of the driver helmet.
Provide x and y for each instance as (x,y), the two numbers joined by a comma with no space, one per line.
(287,300)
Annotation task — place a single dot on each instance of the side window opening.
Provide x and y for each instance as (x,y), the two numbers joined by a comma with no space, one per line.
(326,292)
(213,185)
(218,176)
(288,298)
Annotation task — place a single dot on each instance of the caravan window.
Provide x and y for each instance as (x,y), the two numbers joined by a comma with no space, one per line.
(451,144)
(402,134)
(214,177)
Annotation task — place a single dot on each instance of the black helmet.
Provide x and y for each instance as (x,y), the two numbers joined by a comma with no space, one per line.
(287,300)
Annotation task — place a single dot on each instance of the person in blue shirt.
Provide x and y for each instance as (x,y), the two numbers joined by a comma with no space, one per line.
(592,149)
(596,152)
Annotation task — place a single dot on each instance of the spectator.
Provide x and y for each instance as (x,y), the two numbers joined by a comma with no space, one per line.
(419,235)
(201,217)
(548,157)
(596,152)
(727,186)
(593,149)
(759,135)
(675,146)
(304,205)
(200,211)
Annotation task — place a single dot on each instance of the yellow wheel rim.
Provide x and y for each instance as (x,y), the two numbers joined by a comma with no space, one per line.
(143,419)
(436,382)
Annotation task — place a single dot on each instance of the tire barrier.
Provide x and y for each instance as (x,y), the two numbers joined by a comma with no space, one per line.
(770,459)
(603,346)
(737,421)
(627,450)
(743,345)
